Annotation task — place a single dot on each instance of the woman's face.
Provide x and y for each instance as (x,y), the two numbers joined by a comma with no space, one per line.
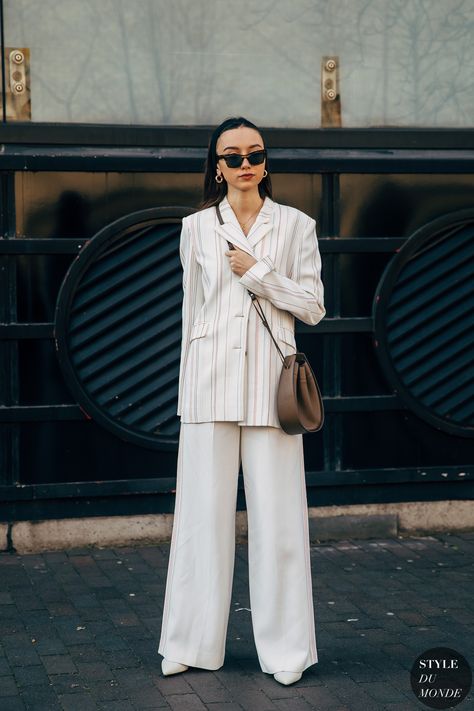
(241,140)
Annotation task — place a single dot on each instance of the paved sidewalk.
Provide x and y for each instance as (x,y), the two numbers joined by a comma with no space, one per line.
(79,630)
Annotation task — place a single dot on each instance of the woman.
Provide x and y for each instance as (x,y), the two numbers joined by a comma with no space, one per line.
(241,240)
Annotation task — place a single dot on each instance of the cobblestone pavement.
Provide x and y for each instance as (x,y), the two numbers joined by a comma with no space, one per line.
(79,629)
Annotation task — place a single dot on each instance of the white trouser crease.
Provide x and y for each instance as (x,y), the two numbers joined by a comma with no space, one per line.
(202,551)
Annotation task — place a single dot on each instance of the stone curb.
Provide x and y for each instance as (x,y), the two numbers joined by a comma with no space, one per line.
(325,523)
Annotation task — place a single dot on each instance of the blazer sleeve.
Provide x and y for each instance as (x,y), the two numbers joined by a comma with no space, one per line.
(192,300)
(303,293)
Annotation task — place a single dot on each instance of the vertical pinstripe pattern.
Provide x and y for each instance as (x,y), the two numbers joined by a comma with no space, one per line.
(229,366)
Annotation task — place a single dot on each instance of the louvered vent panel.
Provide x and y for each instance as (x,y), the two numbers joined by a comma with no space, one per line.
(119,329)
(427,324)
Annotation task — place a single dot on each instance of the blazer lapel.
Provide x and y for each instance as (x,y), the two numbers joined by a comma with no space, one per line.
(232,231)
(263,224)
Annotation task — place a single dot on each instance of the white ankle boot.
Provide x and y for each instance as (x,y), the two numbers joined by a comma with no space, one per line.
(169,668)
(285,677)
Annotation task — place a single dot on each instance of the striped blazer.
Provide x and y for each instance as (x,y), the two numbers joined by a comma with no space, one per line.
(229,367)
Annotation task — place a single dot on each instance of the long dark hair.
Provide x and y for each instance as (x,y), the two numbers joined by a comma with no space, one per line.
(214,192)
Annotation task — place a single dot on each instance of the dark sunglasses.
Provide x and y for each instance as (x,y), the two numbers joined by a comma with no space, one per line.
(235,160)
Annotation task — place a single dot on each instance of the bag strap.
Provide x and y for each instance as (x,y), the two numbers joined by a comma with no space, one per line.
(255,301)
(266,324)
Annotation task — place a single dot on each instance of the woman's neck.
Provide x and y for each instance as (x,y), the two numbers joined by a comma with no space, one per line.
(244,203)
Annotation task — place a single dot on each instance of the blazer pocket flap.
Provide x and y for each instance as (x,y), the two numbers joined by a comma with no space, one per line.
(199,330)
(287,336)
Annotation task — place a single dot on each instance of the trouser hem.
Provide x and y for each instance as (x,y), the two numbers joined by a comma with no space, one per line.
(199,661)
(266,670)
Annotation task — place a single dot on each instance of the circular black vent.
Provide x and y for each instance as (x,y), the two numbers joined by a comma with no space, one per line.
(424,323)
(118,326)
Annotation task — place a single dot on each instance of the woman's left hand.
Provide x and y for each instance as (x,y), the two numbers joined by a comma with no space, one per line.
(240,261)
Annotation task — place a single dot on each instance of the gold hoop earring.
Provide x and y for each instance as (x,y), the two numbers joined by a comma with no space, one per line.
(265,173)
(219,178)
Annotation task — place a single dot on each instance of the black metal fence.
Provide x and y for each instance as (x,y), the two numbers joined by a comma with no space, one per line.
(394,354)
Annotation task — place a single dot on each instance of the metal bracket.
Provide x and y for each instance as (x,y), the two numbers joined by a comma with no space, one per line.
(330,96)
(17,85)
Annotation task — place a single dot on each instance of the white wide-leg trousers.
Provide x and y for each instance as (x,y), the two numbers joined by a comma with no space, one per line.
(201,563)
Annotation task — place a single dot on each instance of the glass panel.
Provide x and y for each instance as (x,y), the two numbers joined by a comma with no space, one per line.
(360,275)
(84,451)
(300,191)
(39,279)
(360,370)
(40,379)
(194,62)
(397,205)
(398,439)
(73,204)
(313,450)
